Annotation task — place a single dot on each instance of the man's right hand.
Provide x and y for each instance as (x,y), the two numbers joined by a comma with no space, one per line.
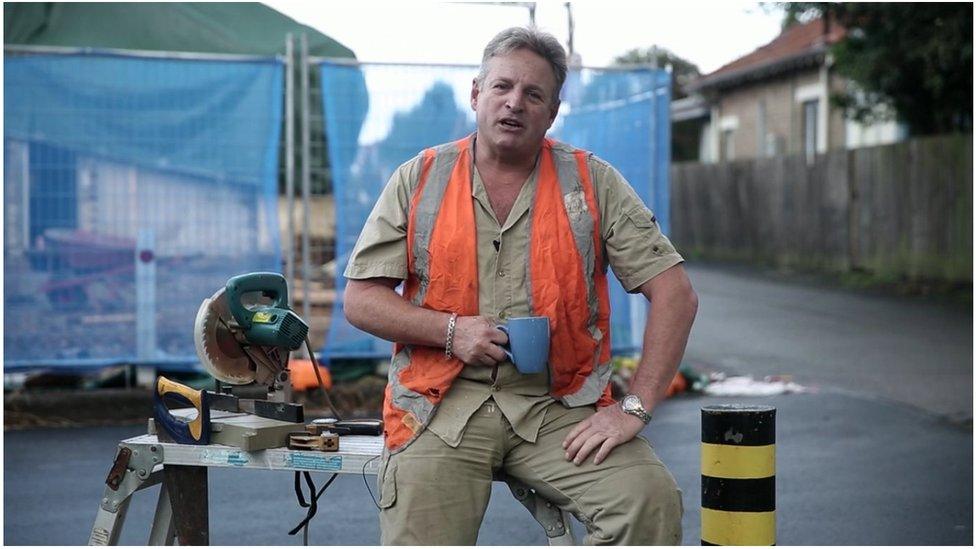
(477,341)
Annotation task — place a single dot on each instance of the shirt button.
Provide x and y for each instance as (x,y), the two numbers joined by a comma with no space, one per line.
(494,388)
(501,273)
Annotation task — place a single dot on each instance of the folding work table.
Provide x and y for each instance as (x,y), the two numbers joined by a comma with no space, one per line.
(182,511)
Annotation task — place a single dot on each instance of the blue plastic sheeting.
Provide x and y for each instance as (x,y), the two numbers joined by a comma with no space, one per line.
(622,116)
(133,189)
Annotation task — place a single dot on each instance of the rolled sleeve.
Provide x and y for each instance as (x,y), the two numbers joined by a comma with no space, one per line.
(636,249)
(381,250)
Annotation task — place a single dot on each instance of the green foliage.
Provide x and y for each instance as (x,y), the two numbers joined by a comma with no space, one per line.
(916,58)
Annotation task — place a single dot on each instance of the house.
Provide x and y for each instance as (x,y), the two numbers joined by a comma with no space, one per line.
(775,101)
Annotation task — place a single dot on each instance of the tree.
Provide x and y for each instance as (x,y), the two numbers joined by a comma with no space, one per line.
(915,58)
(436,119)
(682,70)
(795,13)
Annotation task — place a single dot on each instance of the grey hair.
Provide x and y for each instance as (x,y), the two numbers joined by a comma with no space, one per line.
(530,38)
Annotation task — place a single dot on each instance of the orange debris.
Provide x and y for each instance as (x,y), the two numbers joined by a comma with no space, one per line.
(303,376)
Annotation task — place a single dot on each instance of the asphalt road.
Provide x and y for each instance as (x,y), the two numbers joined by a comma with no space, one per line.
(910,350)
(859,461)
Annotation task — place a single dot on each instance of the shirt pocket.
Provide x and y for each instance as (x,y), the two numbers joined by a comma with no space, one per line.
(649,232)
(642,218)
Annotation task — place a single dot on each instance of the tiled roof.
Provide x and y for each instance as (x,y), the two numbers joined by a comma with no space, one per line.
(792,42)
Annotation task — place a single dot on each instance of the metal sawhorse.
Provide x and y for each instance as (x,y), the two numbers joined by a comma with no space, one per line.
(182,512)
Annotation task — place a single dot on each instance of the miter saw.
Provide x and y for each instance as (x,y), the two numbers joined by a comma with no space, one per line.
(244,333)
(239,345)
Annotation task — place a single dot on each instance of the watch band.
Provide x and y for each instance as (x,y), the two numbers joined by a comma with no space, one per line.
(640,414)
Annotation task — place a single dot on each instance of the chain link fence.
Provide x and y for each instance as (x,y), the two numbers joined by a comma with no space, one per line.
(134,186)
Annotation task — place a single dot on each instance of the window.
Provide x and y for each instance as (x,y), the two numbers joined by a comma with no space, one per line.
(810,116)
(727,125)
(728,146)
(761,148)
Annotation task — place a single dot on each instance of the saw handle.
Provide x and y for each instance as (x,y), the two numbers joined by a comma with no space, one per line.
(271,285)
(370,427)
(195,431)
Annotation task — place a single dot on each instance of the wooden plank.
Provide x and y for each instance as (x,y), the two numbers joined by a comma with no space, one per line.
(836,210)
(853,213)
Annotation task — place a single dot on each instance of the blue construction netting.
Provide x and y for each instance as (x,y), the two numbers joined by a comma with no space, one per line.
(134,188)
(620,115)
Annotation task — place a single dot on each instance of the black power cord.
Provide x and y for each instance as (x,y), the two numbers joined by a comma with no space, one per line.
(328,400)
(314,496)
(312,504)
(366,482)
(318,376)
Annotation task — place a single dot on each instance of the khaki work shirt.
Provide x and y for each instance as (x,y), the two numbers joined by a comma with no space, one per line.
(636,249)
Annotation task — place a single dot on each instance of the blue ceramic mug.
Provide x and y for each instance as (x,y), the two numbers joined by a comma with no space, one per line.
(528,343)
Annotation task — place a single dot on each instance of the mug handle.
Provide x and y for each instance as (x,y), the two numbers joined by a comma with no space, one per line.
(507,347)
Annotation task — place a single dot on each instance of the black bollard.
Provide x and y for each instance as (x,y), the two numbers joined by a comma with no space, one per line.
(738,475)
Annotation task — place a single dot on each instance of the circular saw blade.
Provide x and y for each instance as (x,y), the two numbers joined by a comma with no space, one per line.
(217,347)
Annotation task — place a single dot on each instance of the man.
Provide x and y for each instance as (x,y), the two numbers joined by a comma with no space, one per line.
(506,224)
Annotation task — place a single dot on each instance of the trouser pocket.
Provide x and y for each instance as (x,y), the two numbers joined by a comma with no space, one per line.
(386,483)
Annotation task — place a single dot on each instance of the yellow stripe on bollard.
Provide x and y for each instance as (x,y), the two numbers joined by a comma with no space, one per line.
(726,461)
(738,528)
(738,475)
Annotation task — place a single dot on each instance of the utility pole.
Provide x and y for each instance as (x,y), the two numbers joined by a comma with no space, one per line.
(569,17)
(575,59)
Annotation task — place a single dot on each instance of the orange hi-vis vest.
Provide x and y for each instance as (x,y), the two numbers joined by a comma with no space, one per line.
(566,281)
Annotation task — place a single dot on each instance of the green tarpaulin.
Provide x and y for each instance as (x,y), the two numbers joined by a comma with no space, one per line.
(233,27)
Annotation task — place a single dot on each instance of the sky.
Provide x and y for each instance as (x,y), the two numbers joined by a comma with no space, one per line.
(707,33)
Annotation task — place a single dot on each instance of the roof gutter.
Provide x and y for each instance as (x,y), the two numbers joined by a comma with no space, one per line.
(689,108)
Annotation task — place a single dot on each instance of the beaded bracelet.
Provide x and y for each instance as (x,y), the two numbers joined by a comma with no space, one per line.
(449,346)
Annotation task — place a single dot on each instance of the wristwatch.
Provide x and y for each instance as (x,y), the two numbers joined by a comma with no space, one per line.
(631,404)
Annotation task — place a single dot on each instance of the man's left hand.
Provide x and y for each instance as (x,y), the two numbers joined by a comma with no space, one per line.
(607,428)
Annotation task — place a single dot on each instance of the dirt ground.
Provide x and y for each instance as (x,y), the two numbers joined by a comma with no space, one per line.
(27,409)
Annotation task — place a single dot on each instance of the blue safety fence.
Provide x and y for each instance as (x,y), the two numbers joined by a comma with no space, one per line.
(620,115)
(134,187)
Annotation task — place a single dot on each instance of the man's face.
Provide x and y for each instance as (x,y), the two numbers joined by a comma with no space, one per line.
(516,103)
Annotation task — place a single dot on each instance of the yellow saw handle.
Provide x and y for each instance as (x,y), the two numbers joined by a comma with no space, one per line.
(195,431)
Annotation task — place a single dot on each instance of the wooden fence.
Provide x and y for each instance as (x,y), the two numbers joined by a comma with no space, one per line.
(897,211)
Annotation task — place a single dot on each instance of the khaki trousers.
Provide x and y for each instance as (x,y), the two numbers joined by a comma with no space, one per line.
(433,494)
